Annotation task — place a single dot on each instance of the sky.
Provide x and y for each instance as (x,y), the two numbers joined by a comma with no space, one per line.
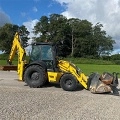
(28,12)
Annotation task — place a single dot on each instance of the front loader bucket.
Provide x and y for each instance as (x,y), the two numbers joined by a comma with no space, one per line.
(95,85)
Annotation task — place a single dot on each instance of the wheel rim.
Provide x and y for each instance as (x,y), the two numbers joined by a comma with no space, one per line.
(68,82)
(35,76)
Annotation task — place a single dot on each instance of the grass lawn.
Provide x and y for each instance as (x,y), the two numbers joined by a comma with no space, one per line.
(89,68)
(4,62)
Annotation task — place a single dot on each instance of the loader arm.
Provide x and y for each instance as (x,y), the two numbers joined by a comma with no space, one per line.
(68,67)
(92,83)
(17,47)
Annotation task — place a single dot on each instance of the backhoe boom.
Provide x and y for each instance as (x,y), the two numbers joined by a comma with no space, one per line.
(17,47)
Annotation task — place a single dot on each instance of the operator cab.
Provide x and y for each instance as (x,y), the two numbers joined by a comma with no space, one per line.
(45,52)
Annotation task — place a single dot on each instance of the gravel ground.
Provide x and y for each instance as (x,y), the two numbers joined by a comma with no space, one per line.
(19,102)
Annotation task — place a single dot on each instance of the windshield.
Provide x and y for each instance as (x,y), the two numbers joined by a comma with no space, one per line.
(46,52)
(41,52)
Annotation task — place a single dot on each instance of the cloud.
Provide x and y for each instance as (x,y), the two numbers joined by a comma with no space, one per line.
(35,9)
(23,14)
(4,18)
(107,12)
(30,26)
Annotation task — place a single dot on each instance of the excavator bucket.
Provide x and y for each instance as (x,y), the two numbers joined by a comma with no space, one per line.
(105,83)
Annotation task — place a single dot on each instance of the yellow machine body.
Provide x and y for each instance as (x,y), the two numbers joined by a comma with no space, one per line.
(64,66)
(67,67)
(64,70)
(17,48)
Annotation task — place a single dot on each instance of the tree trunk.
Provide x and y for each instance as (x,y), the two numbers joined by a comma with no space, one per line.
(72,45)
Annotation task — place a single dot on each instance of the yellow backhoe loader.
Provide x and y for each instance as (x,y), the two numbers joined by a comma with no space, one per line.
(44,67)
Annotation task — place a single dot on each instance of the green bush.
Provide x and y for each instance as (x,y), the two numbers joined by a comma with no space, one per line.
(115,57)
(89,61)
(3,56)
(117,62)
(6,56)
(71,59)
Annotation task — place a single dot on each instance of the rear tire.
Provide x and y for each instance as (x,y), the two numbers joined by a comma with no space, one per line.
(68,82)
(35,76)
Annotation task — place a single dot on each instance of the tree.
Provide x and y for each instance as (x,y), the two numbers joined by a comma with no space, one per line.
(7,33)
(79,37)
(54,29)
(24,35)
(73,24)
(41,28)
(81,31)
(103,43)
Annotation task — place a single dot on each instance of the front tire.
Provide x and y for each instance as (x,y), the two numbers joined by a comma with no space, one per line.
(35,76)
(68,82)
